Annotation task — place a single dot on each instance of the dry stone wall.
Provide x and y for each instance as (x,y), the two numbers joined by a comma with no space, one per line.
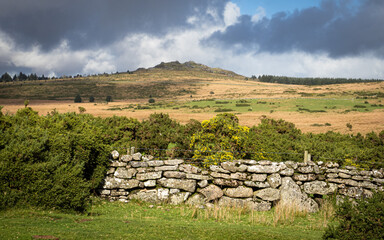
(254,184)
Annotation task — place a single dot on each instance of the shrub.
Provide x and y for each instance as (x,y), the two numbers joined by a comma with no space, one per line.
(91,99)
(151,100)
(362,220)
(78,99)
(108,99)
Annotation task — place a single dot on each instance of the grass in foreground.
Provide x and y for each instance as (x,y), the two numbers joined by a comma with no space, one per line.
(137,220)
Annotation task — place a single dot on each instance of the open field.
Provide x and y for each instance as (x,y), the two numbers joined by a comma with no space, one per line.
(201,94)
(136,220)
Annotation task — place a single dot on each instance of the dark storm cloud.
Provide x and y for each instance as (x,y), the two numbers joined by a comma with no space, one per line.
(335,27)
(85,23)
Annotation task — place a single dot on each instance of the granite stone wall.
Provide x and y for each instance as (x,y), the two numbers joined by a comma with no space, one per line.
(254,184)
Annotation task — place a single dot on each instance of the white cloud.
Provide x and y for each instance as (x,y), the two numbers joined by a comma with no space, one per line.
(231,14)
(260,13)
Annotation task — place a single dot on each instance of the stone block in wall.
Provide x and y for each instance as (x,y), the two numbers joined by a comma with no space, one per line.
(188,168)
(155,163)
(220,175)
(332,175)
(264,169)
(153,196)
(203,183)
(264,162)
(304,177)
(196,199)
(136,156)
(259,177)
(378,180)
(332,165)
(287,172)
(306,169)
(150,183)
(139,164)
(239,192)
(111,183)
(145,170)
(115,193)
(127,173)
(179,198)
(261,206)
(166,168)
(351,182)
(115,155)
(111,170)
(118,164)
(175,174)
(239,176)
(234,167)
(353,192)
(291,195)
(332,170)
(147,157)
(274,180)
(197,176)
(319,187)
(377,174)
(247,203)
(215,168)
(126,158)
(365,173)
(226,182)
(343,175)
(186,185)
(173,162)
(148,176)
(256,184)
(104,191)
(212,192)
(358,178)
(291,164)
(366,184)
(268,194)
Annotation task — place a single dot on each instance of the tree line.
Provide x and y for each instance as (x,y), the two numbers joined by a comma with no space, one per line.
(310,81)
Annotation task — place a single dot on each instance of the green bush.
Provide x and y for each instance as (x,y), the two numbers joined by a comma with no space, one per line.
(50,162)
(78,99)
(363,220)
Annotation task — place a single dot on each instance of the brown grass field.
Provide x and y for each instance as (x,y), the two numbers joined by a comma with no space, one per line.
(179,87)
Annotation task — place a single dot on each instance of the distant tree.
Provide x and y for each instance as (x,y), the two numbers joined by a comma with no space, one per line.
(22,77)
(108,99)
(6,77)
(151,100)
(349,126)
(91,99)
(78,99)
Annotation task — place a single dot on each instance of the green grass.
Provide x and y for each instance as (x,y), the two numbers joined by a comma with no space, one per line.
(137,220)
(304,105)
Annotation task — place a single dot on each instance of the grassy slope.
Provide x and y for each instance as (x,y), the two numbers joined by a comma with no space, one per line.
(138,221)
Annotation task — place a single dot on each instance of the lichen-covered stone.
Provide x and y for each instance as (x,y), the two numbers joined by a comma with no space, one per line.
(138,164)
(256,184)
(215,168)
(179,198)
(174,174)
(186,185)
(259,177)
(239,192)
(203,183)
(122,172)
(111,183)
(233,166)
(173,162)
(188,168)
(274,180)
(264,169)
(118,164)
(239,176)
(150,183)
(226,182)
(268,194)
(196,200)
(319,187)
(148,176)
(136,156)
(197,176)
(115,155)
(155,163)
(291,195)
(166,168)
(211,192)
(287,172)
(220,175)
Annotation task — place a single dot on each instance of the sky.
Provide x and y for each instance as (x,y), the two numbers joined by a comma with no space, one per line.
(300,38)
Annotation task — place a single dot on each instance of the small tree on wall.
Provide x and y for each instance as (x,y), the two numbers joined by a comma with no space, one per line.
(108,99)
(91,99)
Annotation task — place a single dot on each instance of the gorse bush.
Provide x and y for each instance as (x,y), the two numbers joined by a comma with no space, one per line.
(53,161)
(360,220)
